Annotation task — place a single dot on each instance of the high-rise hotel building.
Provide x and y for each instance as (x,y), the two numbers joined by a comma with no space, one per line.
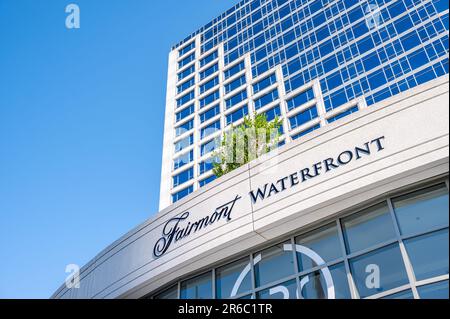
(307,62)
(352,204)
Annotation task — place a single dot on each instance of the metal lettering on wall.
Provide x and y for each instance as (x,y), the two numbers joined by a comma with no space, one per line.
(315,170)
(172,231)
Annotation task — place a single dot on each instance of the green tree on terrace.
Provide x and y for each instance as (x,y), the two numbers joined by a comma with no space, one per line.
(246,142)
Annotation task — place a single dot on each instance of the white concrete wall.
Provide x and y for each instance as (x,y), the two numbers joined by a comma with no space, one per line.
(415,125)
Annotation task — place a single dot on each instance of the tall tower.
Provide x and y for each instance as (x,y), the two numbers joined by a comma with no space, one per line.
(309,62)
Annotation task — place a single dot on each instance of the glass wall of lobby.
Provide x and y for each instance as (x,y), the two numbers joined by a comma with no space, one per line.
(395,248)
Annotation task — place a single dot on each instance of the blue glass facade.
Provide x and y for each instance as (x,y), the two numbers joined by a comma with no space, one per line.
(352,52)
(311,62)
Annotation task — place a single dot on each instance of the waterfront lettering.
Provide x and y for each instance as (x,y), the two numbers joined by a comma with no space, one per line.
(174,230)
(315,170)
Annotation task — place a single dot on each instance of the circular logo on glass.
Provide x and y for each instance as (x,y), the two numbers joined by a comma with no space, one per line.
(283,290)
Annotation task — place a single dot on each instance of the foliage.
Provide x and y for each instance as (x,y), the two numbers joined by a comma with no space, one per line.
(250,140)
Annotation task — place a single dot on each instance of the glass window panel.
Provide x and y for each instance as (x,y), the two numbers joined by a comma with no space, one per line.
(437,290)
(171,293)
(316,288)
(303,117)
(343,114)
(184,143)
(197,288)
(407,294)
(388,261)
(181,194)
(286,290)
(207,180)
(422,210)
(227,277)
(276,263)
(429,254)
(368,227)
(323,241)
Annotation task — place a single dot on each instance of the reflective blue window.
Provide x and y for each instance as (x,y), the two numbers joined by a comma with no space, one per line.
(183,128)
(183,177)
(185,113)
(185,98)
(272,113)
(186,60)
(208,147)
(206,166)
(264,83)
(422,210)
(407,294)
(316,287)
(227,276)
(303,117)
(209,58)
(186,85)
(266,99)
(437,290)
(392,270)
(367,228)
(207,180)
(182,160)
(343,114)
(210,113)
(289,291)
(237,115)
(235,84)
(187,48)
(305,132)
(324,241)
(209,85)
(429,254)
(276,263)
(235,99)
(300,99)
(171,293)
(181,194)
(185,73)
(209,71)
(209,98)
(197,288)
(184,143)
(233,70)
(210,129)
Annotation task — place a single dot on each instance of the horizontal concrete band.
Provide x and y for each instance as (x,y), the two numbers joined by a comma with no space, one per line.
(395,143)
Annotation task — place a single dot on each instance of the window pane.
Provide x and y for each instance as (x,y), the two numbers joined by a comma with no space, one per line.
(197,288)
(434,291)
(407,294)
(286,290)
(367,228)
(324,242)
(429,254)
(227,277)
(315,286)
(385,264)
(171,293)
(276,263)
(422,210)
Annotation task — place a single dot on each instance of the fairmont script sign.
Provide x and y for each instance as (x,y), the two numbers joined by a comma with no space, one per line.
(173,231)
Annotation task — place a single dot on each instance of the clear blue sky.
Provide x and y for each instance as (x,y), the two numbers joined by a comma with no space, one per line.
(81,121)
